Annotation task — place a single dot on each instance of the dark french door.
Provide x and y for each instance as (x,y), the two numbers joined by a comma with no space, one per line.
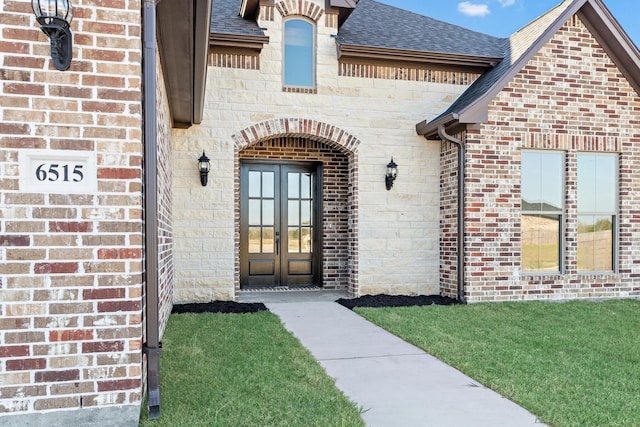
(279,224)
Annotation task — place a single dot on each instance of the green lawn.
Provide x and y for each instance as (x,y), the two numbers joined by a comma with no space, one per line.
(243,370)
(571,364)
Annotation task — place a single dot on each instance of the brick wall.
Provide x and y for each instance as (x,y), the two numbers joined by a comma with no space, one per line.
(165,202)
(71,270)
(569,97)
(449,218)
(351,68)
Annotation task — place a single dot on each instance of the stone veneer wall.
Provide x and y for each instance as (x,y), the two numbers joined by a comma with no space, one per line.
(589,106)
(396,243)
(71,264)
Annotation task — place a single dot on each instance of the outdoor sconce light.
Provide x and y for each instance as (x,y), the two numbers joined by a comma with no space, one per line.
(392,173)
(204,166)
(54,17)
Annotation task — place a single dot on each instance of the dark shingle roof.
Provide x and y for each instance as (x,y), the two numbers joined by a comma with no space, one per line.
(376,24)
(226,19)
(380,25)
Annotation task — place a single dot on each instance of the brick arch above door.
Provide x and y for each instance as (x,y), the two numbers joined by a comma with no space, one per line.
(284,139)
(296,127)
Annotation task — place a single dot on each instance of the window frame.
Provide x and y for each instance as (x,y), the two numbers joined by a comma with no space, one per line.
(615,214)
(314,54)
(561,217)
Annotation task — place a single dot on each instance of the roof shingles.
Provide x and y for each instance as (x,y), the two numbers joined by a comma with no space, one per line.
(374,24)
(379,25)
(226,19)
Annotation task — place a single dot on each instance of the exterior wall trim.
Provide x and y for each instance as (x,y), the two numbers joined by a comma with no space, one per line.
(475,63)
(104,416)
(237,41)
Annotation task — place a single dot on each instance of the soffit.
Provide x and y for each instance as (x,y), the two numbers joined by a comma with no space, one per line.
(183,39)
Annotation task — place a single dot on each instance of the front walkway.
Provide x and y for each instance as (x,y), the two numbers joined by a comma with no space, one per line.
(395,383)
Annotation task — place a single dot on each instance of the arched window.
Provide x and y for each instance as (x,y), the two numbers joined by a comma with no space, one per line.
(299,53)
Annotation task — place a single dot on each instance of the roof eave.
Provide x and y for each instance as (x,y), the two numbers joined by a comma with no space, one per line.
(430,129)
(238,41)
(346,50)
(183,37)
(201,55)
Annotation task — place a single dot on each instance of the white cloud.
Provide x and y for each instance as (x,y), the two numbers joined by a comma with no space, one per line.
(471,9)
(507,3)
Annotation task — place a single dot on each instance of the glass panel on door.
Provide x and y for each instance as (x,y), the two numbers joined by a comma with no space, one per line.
(261,212)
(300,208)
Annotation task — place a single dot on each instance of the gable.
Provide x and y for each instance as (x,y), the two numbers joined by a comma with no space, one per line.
(571,86)
(471,106)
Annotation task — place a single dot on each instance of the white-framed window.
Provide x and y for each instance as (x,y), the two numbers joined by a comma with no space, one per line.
(597,211)
(542,211)
(299,53)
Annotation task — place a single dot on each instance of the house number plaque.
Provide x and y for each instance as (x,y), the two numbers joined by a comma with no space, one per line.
(57,171)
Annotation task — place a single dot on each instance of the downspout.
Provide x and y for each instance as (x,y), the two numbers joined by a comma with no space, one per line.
(152,346)
(460,228)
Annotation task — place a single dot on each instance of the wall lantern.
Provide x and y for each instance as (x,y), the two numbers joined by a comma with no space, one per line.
(392,173)
(54,17)
(204,166)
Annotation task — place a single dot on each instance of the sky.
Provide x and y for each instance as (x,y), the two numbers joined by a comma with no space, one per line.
(502,18)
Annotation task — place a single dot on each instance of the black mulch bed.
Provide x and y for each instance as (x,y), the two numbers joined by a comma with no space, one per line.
(380,300)
(220,307)
(383,300)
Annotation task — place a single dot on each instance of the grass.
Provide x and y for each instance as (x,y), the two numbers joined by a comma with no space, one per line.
(243,370)
(571,364)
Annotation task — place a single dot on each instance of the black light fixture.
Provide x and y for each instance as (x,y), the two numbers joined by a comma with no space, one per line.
(204,166)
(55,17)
(392,173)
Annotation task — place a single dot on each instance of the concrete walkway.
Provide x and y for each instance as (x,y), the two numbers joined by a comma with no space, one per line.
(395,383)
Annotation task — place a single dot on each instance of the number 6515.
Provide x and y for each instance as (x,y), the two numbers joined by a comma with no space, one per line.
(56,172)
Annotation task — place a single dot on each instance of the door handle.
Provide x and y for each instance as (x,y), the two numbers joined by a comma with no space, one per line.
(277,243)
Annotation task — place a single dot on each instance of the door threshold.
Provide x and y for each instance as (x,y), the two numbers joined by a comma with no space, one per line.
(281,289)
(291,294)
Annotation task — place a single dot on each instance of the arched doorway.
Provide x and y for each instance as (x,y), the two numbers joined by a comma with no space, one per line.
(296,210)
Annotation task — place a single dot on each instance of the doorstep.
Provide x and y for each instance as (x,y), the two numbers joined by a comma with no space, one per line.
(283,294)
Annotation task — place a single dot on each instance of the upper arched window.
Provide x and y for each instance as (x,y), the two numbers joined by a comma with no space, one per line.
(299,53)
